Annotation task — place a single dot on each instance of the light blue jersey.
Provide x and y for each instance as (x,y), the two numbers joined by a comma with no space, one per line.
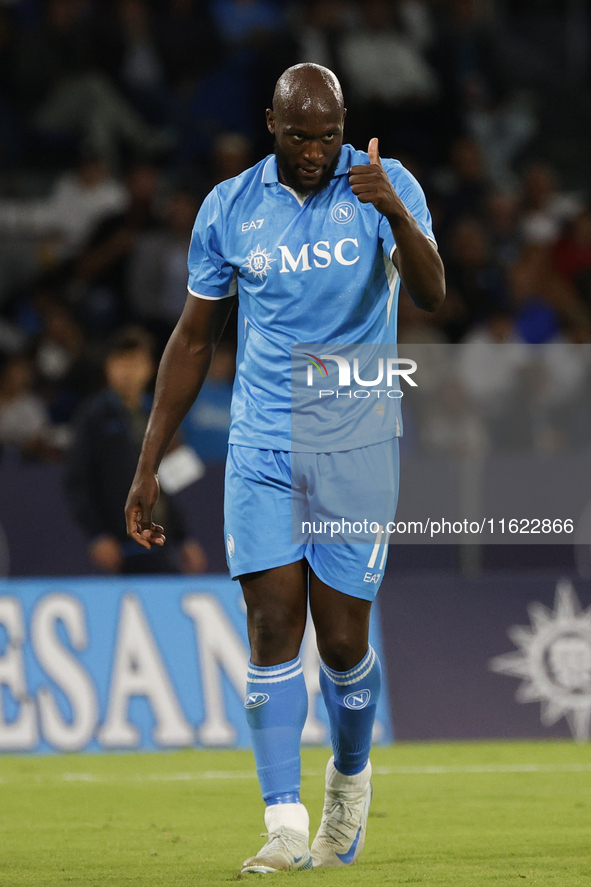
(316,270)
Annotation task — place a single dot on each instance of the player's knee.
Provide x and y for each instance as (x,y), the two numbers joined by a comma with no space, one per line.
(342,650)
(275,634)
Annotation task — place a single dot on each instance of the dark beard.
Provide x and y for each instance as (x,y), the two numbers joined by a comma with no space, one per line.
(290,179)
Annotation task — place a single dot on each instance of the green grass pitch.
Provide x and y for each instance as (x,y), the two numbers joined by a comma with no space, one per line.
(453,815)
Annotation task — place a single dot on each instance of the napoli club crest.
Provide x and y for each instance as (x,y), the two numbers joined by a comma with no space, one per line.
(343,212)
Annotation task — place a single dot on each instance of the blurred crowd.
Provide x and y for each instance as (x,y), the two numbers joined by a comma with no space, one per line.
(118,116)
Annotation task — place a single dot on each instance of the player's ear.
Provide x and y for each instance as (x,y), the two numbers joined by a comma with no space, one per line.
(270,121)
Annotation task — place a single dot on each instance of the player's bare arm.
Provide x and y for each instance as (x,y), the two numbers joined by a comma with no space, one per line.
(182,371)
(416,257)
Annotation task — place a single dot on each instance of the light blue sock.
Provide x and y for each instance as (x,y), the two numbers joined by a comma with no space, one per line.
(350,698)
(276,708)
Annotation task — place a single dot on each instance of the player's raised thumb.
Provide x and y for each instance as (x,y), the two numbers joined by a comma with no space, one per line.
(374,154)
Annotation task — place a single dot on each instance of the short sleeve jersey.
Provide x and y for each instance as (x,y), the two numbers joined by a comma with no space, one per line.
(313,270)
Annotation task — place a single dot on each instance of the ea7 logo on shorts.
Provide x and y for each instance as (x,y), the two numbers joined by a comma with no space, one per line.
(372,577)
(357,700)
(342,213)
(253,700)
(230,545)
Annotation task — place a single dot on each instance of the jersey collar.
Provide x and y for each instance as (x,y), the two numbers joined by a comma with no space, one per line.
(270,175)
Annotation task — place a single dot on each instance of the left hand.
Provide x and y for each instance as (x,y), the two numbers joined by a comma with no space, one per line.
(141,500)
(370,184)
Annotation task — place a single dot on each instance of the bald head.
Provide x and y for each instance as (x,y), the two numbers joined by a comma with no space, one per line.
(307,88)
(307,121)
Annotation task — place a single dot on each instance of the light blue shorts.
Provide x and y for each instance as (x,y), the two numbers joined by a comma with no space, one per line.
(330,508)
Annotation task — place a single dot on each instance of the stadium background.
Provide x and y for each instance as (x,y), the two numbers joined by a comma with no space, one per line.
(117,118)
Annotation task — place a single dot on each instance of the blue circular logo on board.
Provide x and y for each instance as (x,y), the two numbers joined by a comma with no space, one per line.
(357,700)
(343,212)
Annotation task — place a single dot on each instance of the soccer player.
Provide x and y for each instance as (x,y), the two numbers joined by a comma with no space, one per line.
(313,240)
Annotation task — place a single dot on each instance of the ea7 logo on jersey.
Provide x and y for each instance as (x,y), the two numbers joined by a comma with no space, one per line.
(253,225)
(357,700)
(253,700)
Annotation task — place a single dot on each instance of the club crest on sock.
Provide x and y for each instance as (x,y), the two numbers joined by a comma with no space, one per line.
(358,699)
(253,700)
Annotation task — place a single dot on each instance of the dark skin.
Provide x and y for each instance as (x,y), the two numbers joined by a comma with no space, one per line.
(417,260)
(308,130)
(309,142)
